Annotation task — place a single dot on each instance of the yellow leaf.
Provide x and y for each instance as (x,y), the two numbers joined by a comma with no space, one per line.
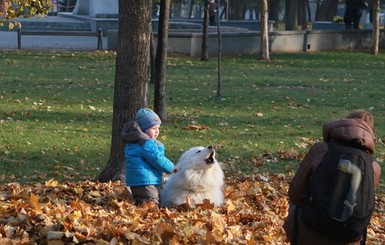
(51,183)
(11,25)
(230,205)
(35,203)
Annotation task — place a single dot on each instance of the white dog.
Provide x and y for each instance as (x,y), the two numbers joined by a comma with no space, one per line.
(199,176)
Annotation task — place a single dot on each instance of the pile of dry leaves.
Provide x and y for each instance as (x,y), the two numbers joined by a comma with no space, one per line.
(102,213)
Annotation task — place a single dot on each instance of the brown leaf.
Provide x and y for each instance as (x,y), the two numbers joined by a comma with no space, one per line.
(196,127)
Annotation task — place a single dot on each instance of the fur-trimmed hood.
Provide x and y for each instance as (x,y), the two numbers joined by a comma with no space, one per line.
(132,133)
(349,130)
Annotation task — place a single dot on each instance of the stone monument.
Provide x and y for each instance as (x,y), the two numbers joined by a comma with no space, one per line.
(99,13)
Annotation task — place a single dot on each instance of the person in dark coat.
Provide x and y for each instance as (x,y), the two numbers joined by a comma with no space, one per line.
(353,13)
(357,126)
(213,9)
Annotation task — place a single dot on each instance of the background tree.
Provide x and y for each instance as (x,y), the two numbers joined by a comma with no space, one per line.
(327,10)
(131,76)
(236,11)
(274,11)
(302,14)
(152,59)
(160,60)
(219,58)
(205,36)
(291,14)
(376,26)
(264,51)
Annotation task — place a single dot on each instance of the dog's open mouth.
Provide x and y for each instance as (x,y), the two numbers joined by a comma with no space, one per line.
(211,158)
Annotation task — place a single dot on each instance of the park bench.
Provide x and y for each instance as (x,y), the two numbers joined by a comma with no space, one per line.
(98,34)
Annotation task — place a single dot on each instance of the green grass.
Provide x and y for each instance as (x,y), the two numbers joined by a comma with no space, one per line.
(55,109)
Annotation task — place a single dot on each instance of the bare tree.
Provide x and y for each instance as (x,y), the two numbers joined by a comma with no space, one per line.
(219,58)
(160,60)
(205,36)
(264,51)
(274,11)
(291,10)
(152,59)
(131,77)
(302,14)
(235,10)
(376,26)
(191,8)
(327,10)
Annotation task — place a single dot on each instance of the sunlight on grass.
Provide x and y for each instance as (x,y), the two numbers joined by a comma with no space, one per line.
(56,109)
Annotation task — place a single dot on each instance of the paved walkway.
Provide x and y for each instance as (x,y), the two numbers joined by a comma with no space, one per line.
(8,39)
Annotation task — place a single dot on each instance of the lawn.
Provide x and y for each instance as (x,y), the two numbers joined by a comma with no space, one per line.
(56,109)
(55,129)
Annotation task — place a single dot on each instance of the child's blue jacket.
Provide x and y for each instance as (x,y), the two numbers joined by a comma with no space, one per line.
(145,159)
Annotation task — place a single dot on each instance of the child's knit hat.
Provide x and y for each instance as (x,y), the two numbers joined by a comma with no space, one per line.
(146,118)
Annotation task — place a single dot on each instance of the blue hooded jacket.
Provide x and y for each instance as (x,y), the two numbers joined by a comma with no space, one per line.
(145,160)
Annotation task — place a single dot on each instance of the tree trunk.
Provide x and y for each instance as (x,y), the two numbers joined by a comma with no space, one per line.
(327,10)
(264,51)
(191,9)
(152,59)
(274,11)
(131,76)
(236,10)
(160,61)
(219,58)
(302,14)
(291,15)
(308,10)
(376,26)
(205,36)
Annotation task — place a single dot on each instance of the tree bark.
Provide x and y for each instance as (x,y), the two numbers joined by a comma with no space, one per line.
(205,36)
(152,59)
(291,21)
(219,58)
(376,26)
(160,61)
(236,10)
(264,51)
(191,8)
(131,76)
(274,11)
(302,14)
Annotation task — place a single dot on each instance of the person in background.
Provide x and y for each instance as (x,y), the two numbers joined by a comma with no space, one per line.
(358,128)
(353,13)
(145,159)
(213,9)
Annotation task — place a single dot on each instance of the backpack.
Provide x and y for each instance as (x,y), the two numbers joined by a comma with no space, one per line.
(339,199)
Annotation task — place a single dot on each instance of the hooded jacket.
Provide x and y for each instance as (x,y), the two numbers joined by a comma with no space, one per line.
(348,130)
(145,160)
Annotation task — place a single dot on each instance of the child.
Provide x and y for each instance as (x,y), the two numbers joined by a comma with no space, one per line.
(145,160)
